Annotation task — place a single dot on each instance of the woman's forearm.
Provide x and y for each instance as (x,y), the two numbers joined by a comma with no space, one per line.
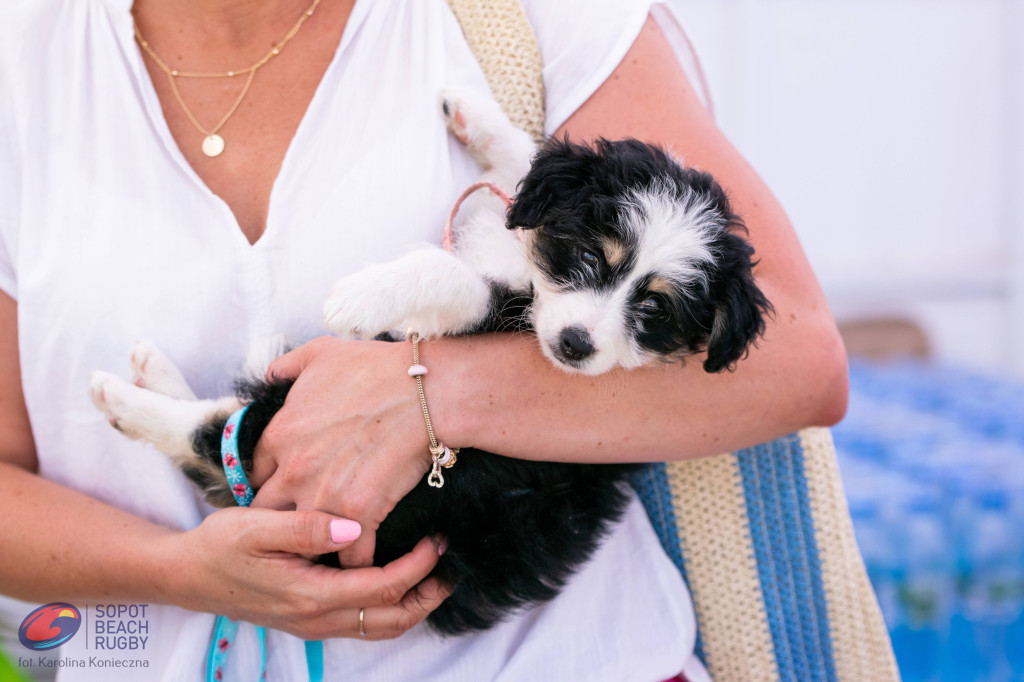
(61,544)
(500,394)
(247,564)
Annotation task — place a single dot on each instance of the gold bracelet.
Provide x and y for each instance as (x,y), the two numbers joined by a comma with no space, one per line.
(440,454)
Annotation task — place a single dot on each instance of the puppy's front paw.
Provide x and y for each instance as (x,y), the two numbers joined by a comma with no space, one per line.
(363,306)
(153,370)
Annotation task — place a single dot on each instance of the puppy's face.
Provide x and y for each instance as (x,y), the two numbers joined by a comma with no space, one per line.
(634,260)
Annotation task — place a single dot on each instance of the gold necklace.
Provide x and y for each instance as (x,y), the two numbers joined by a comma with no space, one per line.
(213,144)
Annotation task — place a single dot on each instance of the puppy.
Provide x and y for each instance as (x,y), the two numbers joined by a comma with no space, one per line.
(614,254)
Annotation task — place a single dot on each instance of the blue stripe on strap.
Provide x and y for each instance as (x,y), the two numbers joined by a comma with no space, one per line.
(653,488)
(789,568)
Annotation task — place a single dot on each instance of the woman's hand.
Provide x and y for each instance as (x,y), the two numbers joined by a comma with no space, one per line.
(350,439)
(248,564)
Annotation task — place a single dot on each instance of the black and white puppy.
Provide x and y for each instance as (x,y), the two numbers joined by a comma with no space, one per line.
(614,254)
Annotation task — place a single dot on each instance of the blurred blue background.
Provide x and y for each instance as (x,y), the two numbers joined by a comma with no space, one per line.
(931,461)
(893,133)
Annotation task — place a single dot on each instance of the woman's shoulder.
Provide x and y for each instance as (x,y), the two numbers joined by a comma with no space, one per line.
(581,42)
(569,24)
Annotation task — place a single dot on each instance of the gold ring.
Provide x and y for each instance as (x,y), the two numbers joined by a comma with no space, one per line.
(362,624)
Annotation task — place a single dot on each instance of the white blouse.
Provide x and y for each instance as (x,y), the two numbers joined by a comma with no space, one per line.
(107,236)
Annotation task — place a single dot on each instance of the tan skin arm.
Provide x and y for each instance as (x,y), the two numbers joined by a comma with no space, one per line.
(351,438)
(17,445)
(238,562)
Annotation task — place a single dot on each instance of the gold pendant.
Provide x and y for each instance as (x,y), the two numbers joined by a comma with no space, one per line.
(213,145)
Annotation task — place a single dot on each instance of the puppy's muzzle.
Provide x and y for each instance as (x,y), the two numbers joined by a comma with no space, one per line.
(575,344)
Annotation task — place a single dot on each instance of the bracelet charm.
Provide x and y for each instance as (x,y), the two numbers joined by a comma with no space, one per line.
(441,456)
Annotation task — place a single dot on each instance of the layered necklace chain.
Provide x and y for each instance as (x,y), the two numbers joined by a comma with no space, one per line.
(213,143)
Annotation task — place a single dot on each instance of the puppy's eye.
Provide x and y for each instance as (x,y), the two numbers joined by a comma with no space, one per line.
(590,259)
(652,306)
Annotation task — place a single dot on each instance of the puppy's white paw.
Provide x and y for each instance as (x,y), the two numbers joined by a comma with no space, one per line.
(365,305)
(473,117)
(152,369)
(113,397)
(166,422)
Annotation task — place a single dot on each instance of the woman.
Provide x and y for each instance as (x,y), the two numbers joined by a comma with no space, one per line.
(117,224)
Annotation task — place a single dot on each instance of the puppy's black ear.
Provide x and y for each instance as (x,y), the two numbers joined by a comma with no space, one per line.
(740,306)
(529,207)
(556,176)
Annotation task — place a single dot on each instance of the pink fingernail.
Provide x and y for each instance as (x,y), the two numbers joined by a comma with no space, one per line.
(442,546)
(345,530)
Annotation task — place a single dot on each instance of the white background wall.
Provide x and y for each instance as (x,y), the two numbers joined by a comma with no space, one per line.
(893,133)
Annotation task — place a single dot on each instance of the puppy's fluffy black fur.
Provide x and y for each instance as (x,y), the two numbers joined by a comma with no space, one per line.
(518,529)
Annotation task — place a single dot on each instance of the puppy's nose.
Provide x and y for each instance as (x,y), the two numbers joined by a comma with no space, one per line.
(576,343)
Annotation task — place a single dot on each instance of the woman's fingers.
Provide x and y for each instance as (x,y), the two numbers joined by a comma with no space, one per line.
(395,597)
(358,549)
(260,575)
(306,533)
(291,364)
(377,586)
(359,553)
(383,622)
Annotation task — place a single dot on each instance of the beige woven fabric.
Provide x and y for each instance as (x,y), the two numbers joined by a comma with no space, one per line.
(503,42)
(860,644)
(714,534)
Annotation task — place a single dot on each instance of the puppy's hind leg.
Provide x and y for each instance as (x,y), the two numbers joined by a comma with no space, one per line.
(478,121)
(153,370)
(165,422)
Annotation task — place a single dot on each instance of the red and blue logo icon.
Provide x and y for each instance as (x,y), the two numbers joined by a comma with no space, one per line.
(49,626)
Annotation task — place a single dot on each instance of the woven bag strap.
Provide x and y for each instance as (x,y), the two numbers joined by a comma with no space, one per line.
(764,540)
(502,40)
